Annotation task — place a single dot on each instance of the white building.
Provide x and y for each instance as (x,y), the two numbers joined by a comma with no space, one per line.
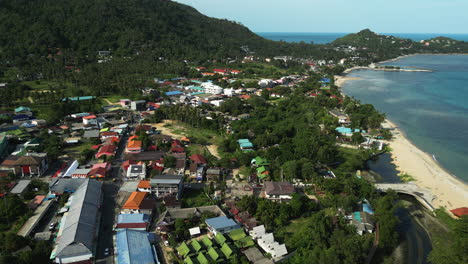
(229,92)
(136,171)
(212,88)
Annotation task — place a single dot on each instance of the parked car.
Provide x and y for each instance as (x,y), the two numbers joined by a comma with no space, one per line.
(106,252)
(52,226)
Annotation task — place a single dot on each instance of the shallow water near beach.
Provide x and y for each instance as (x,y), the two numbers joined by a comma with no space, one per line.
(430,108)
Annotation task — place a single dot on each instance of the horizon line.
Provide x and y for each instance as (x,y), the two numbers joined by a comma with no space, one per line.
(358,31)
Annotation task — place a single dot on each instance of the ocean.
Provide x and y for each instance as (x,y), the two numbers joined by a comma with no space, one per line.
(323,38)
(431,108)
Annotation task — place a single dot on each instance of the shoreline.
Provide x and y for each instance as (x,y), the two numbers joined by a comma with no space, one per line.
(449,191)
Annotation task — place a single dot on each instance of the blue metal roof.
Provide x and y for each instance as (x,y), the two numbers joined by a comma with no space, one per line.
(132,218)
(80,98)
(22,108)
(173,93)
(367,208)
(133,247)
(220,222)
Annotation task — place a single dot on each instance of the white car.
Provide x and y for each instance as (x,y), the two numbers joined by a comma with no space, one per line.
(106,252)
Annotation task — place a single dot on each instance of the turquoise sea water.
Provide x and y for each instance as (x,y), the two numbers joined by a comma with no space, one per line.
(431,108)
(322,38)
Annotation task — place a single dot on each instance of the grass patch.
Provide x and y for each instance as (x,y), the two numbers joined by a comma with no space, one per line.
(445,217)
(405,177)
(195,198)
(112,99)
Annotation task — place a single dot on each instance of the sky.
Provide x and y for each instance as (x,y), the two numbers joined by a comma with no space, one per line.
(382,16)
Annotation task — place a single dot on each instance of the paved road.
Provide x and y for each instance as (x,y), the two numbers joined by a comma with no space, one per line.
(109,208)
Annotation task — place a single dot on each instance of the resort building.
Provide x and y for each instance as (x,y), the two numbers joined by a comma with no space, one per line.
(278,190)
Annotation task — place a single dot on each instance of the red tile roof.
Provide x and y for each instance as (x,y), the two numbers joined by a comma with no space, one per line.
(459,212)
(197,158)
(135,200)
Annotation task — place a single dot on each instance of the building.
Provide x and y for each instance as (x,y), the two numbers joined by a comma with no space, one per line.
(31,164)
(134,247)
(77,237)
(363,222)
(21,187)
(138,204)
(137,171)
(134,145)
(90,120)
(221,224)
(138,105)
(133,221)
(213,174)
(22,110)
(198,159)
(164,185)
(342,117)
(144,186)
(212,88)
(459,212)
(107,150)
(245,145)
(278,190)
(269,245)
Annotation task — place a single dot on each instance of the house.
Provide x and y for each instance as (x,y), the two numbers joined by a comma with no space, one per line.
(198,159)
(80,173)
(133,222)
(459,212)
(164,185)
(342,117)
(213,174)
(77,237)
(137,203)
(269,245)
(108,134)
(23,111)
(212,88)
(107,150)
(98,172)
(125,102)
(134,247)
(21,187)
(192,172)
(245,145)
(278,190)
(171,201)
(134,145)
(372,143)
(144,186)
(221,224)
(90,120)
(138,105)
(32,164)
(363,222)
(137,171)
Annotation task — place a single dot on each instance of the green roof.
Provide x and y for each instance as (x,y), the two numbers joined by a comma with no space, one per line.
(245,242)
(220,238)
(227,251)
(202,259)
(207,242)
(259,161)
(237,234)
(261,169)
(195,245)
(22,108)
(183,249)
(214,253)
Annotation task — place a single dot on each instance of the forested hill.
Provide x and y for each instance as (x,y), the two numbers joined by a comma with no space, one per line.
(126,27)
(384,46)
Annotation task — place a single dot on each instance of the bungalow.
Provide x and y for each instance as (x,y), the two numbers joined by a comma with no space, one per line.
(137,203)
(245,145)
(134,145)
(107,150)
(278,191)
(221,224)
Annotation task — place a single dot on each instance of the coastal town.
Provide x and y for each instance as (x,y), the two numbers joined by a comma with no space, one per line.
(130,186)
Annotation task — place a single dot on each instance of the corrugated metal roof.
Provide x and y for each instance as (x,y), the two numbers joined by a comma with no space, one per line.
(77,237)
(220,222)
(132,218)
(134,247)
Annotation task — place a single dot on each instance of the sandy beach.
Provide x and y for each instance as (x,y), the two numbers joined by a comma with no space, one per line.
(449,191)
